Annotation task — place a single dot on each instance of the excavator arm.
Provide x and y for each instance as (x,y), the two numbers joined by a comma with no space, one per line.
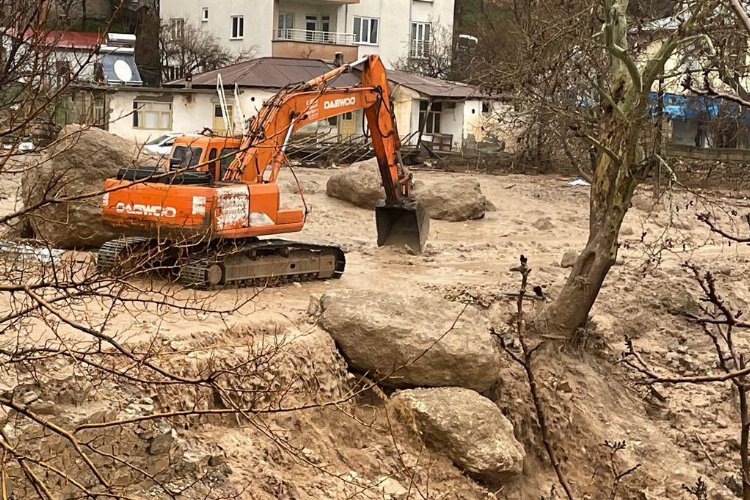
(400,219)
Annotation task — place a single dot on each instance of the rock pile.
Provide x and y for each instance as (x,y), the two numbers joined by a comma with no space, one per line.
(77,164)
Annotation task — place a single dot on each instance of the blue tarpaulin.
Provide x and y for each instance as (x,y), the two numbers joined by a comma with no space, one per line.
(681,107)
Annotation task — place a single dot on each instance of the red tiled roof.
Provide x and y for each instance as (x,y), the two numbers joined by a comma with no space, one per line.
(66,39)
(75,39)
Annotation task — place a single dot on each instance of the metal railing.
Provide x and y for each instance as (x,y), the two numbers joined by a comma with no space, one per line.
(419,49)
(294,35)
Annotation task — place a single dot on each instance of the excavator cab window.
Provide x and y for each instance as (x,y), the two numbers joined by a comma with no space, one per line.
(227,157)
(213,165)
(185,157)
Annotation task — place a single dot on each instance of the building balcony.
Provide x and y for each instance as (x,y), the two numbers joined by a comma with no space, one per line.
(314,44)
(419,50)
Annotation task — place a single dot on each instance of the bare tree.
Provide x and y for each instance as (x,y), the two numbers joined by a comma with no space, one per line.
(593,67)
(186,48)
(435,59)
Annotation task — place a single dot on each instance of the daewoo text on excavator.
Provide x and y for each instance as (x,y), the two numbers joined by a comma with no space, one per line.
(202,217)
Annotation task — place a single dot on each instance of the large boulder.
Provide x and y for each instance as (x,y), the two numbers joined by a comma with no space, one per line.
(77,164)
(453,201)
(465,426)
(411,341)
(359,184)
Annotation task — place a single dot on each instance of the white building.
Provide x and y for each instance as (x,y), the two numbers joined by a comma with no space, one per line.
(316,28)
(448,115)
(181,107)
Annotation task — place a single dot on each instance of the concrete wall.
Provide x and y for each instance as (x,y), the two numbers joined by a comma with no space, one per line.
(99,10)
(683,132)
(708,154)
(395,23)
(190,113)
(325,51)
(259,21)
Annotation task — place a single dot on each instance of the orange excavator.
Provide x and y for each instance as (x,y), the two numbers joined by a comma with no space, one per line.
(204,215)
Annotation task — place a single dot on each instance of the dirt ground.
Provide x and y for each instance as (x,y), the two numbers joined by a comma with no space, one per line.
(691,433)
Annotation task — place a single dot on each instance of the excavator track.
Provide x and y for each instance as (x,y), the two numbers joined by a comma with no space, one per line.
(112,253)
(243,263)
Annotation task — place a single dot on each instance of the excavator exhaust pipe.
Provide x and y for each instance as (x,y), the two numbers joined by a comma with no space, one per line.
(406,223)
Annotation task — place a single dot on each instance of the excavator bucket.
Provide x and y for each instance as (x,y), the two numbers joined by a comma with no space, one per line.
(406,223)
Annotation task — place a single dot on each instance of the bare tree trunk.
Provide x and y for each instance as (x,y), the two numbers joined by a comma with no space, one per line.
(611,192)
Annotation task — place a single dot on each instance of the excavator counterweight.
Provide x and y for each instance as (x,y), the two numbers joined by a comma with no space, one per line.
(205,214)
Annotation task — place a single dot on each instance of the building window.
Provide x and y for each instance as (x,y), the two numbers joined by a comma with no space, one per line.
(432,118)
(238,27)
(177,28)
(420,40)
(100,111)
(63,72)
(204,14)
(152,115)
(366,30)
(486,107)
(286,25)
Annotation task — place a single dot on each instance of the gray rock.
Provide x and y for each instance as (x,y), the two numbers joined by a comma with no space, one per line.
(359,184)
(390,487)
(161,444)
(44,408)
(569,259)
(734,483)
(467,427)
(544,224)
(453,201)
(381,332)
(78,164)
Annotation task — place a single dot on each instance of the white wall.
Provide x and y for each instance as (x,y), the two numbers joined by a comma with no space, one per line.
(395,23)
(191,112)
(302,9)
(259,21)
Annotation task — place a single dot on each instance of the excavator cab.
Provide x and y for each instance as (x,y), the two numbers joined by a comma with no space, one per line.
(405,223)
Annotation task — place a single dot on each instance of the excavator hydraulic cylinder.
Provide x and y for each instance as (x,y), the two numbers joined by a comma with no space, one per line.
(404,223)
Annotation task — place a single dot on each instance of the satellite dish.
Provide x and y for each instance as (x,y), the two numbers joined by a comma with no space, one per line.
(123,71)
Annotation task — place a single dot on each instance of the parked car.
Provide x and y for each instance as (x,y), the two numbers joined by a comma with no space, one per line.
(161,145)
(24,146)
